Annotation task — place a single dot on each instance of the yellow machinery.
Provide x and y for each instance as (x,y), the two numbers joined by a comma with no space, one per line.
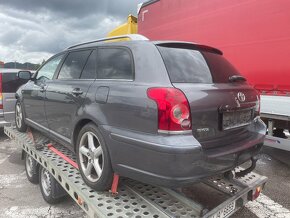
(127,28)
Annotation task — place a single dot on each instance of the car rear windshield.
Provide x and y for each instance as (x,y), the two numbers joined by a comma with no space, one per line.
(193,66)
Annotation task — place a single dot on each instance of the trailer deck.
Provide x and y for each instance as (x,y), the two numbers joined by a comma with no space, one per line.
(215,197)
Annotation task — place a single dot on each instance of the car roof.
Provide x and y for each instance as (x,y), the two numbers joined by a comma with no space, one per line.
(173,44)
(105,43)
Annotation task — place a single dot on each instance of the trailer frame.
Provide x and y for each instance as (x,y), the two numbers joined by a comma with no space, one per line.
(135,199)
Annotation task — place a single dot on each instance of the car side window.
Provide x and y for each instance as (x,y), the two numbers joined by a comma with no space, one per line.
(114,63)
(89,71)
(47,71)
(74,64)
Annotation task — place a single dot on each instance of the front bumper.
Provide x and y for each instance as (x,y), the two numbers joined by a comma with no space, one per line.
(175,160)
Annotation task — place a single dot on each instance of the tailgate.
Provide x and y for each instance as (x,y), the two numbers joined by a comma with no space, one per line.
(218,116)
(222,104)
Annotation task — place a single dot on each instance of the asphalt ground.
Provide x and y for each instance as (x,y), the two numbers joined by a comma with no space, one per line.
(20,199)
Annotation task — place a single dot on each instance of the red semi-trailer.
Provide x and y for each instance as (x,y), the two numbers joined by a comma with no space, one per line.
(253,34)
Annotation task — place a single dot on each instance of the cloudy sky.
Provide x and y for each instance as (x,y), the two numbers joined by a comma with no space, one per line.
(33,30)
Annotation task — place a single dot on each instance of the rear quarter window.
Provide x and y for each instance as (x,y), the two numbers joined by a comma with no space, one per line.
(114,63)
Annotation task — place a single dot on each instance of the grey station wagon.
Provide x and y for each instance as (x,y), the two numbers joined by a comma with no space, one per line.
(162,112)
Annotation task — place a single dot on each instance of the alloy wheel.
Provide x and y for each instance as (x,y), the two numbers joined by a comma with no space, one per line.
(91,156)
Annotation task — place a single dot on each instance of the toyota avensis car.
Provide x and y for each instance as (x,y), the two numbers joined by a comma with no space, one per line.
(162,112)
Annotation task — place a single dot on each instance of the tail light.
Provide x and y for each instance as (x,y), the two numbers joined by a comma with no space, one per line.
(258,106)
(1,96)
(173,109)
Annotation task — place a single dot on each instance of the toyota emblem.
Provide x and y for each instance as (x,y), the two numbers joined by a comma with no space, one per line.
(241,97)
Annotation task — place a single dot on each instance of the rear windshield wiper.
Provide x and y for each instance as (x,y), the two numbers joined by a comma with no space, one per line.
(236,78)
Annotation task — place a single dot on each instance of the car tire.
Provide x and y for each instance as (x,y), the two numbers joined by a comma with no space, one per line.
(31,169)
(19,117)
(51,190)
(93,158)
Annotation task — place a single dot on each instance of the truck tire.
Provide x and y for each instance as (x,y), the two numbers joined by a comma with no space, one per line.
(31,169)
(19,117)
(93,158)
(51,190)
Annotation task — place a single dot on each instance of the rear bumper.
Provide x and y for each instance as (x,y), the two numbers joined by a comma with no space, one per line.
(175,160)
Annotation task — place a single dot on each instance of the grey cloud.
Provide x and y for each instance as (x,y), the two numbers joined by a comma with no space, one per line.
(48,26)
(11,36)
(76,8)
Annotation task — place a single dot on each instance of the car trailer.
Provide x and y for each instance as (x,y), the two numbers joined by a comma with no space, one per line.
(217,197)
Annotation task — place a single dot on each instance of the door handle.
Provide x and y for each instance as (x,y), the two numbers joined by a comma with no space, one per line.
(77,91)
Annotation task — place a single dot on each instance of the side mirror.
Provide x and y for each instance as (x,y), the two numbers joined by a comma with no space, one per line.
(24,75)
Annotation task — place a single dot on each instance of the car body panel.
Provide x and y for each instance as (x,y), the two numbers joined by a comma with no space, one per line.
(33,101)
(123,108)
(208,102)
(175,160)
(61,105)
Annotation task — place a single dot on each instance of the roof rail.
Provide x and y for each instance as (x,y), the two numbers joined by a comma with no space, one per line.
(133,37)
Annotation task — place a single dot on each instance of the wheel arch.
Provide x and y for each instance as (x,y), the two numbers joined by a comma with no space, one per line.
(18,93)
(78,126)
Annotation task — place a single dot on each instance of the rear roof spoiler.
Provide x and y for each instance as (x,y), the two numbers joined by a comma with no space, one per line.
(188,45)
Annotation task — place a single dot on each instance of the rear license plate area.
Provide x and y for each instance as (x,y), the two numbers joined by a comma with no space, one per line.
(234,119)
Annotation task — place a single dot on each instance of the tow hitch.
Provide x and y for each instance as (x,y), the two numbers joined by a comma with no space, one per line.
(248,170)
(230,175)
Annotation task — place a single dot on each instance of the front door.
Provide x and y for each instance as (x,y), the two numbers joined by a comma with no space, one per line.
(34,93)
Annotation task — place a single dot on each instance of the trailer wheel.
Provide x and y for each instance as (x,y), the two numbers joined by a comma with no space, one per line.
(31,169)
(93,158)
(19,117)
(50,189)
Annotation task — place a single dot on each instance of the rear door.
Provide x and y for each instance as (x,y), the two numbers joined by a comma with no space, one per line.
(34,92)
(221,109)
(66,93)
(114,90)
